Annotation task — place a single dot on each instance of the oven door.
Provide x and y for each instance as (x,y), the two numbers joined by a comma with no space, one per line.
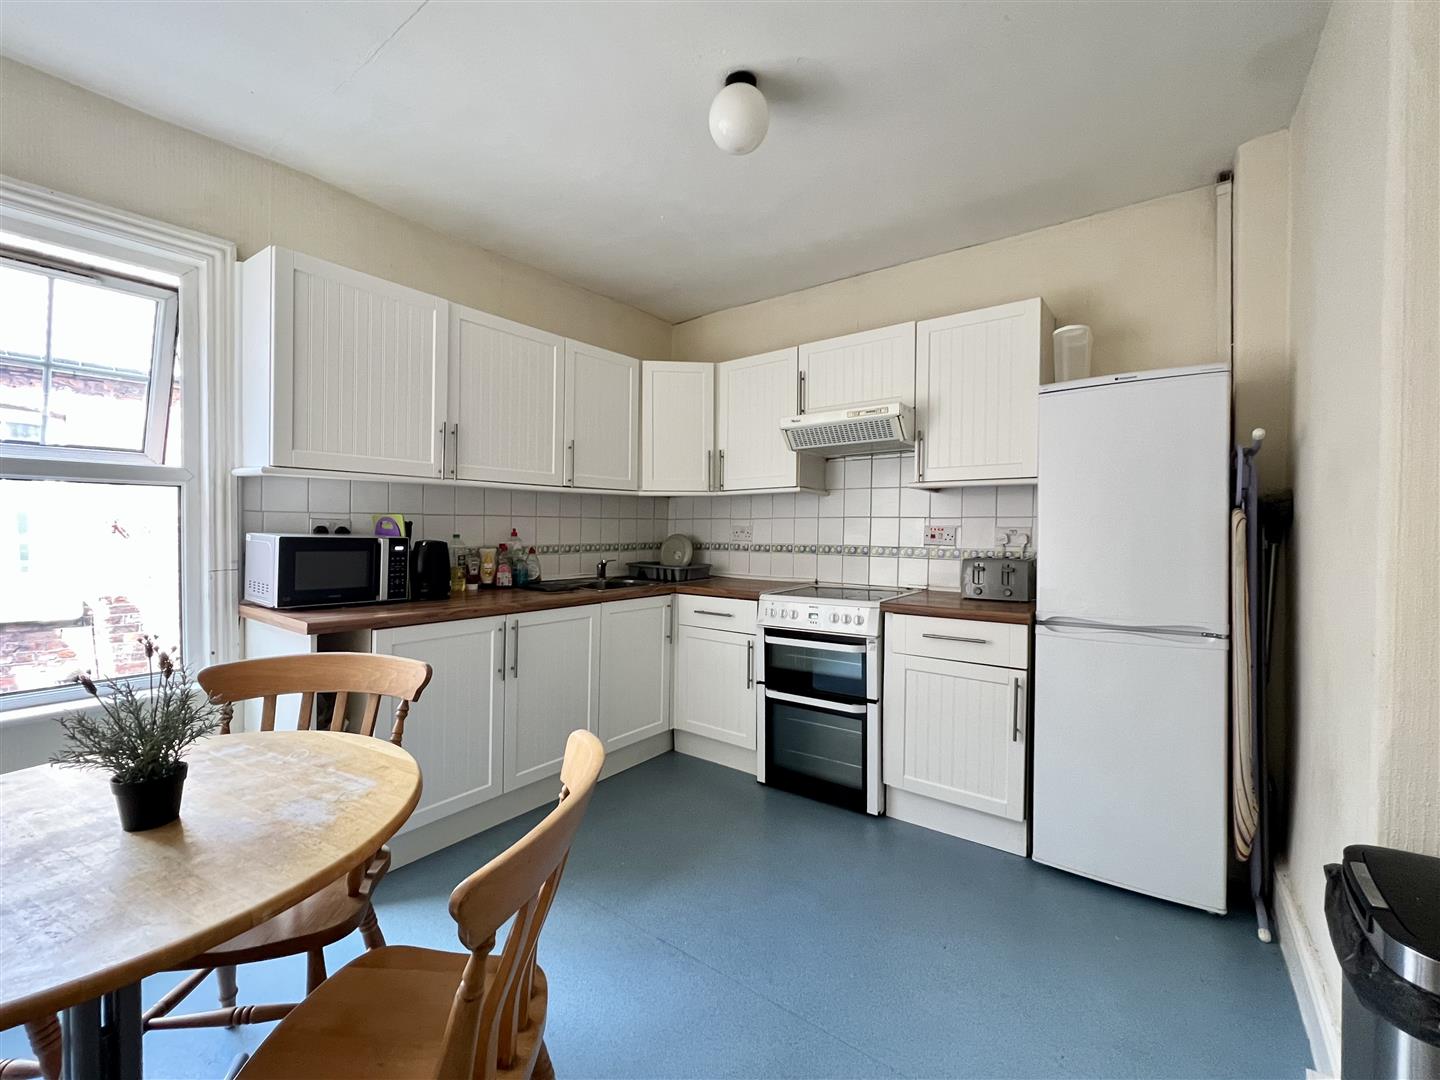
(826,750)
(822,666)
(313,571)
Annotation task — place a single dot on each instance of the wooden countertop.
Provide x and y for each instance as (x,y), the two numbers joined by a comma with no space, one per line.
(954,605)
(487,602)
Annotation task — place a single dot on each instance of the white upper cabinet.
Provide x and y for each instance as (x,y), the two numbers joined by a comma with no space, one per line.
(876,365)
(507,389)
(677,451)
(977,382)
(752,396)
(340,370)
(602,418)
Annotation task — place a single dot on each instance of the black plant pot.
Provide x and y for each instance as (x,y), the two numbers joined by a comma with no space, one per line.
(148,804)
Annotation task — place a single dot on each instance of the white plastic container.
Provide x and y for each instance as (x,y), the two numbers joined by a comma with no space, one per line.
(1072,352)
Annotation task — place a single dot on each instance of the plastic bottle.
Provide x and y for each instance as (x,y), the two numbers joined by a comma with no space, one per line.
(517,558)
(503,570)
(532,566)
(487,566)
(457,566)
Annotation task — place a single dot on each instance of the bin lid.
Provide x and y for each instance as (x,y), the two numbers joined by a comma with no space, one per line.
(1397,899)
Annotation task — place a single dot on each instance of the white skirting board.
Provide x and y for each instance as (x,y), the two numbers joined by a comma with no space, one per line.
(428,839)
(960,821)
(721,753)
(1302,961)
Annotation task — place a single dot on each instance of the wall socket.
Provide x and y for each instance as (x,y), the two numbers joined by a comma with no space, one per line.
(330,524)
(741,532)
(937,535)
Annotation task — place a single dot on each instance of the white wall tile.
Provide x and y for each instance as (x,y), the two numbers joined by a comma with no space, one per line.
(547,504)
(286,521)
(944,573)
(914,502)
(571,504)
(855,569)
(947,503)
(856,531)
(522,504)
(884,532)
(913,573)
(807,504)
(912,531)
(761,506)
(857,502)
(437,527)
(832,531)
(782,505)
(369,497)
(547,530)
(807,530)
(977,533)
(805,566)
(782,564)
(782,530)
(439,500)
(885,472)
(979,502)
(835,474)
(1015,501)
(884,571)
(570,530)
(833,505)
(250,493)
(252,520)
(329,496)
(885,502)
(471,528)
(760,563)
(827,568)
(281,493)
(406,499)
(857,472)
(469,500)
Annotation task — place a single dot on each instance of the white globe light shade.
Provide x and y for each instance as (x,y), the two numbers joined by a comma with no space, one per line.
(739,118)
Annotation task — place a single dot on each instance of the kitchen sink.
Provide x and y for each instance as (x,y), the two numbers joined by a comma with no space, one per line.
(614,583)
(576,584)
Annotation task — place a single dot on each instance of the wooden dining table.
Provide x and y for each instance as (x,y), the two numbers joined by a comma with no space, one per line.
(87,910)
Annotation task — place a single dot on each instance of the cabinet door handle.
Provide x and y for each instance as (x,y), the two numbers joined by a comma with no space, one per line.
(709,470)
(570,474)
(444,447)
(801,393)
(750,664)
(669,622)
(515,658)
(504,636)
(1015,710)
(455,458)
(954,637)
(717,614)
(721,466)
(919,455)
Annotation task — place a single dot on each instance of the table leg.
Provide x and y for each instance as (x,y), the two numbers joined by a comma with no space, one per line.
(102,1037)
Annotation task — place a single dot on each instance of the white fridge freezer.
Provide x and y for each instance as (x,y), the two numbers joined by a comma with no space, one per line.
(1131,644)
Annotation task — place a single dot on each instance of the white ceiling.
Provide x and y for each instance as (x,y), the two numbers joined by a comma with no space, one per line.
(572,136)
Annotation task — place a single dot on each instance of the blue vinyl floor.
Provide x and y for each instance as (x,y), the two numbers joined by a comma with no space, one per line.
(711,927)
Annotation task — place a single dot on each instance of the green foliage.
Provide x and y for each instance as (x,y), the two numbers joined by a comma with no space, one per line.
(139,735)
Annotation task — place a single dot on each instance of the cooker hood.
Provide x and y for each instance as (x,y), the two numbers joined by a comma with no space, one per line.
(858,429)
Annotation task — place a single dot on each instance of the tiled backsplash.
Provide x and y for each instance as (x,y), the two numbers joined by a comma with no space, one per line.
(570,531)
(868,530)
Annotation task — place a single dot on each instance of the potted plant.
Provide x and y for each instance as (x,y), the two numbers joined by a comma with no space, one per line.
(139,737)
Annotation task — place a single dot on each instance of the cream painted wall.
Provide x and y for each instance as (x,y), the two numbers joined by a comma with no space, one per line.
(1363,318)
(59,136)
(1142,276)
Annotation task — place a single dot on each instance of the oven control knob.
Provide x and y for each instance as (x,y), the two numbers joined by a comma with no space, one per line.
(834,617)
(847,620)
(859,620)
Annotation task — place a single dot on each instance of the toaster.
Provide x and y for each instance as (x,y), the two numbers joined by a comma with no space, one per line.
(990,578)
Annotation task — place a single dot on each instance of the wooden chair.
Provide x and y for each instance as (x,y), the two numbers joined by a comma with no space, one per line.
(344,905)
(408,1013)
(45,1039)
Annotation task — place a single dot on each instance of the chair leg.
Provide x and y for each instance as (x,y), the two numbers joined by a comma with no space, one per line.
(370,930)
(314,969)
(226,985)
(227,1018)
(45,1041)
(544,1069)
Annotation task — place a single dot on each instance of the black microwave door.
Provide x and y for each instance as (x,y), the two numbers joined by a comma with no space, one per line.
(320,570)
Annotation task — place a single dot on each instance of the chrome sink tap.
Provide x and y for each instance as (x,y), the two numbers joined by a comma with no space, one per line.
(600,568)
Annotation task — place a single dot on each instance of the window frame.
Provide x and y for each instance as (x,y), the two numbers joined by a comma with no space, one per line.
(205,347)
(165,343)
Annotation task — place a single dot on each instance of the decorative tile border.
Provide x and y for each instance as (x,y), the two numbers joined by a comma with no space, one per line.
(572,549)
(881,552)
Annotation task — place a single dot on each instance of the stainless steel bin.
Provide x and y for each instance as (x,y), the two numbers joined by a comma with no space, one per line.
(1383,907)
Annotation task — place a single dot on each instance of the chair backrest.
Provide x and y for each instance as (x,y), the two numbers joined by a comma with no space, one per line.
(488,1015)
(307,674)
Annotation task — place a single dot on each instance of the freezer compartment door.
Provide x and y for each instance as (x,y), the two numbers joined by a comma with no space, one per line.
(1130,761)
(1134,502)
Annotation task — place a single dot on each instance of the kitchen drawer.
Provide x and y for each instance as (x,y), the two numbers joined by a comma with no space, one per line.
(717,612)
(970,640)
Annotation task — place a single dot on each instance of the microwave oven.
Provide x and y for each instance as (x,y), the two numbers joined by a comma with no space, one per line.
(300,570)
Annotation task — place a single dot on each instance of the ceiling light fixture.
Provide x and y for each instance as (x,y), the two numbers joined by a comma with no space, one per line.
(739,116)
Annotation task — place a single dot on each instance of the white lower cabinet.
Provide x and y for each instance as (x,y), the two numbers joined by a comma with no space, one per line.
(715,684)
(552,688)
(635,641)
(454,730)
(955,734)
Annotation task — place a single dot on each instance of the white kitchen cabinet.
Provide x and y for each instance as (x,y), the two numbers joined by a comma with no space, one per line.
(635,652)
(552,688)
(602,418)
(340,370)
(977,382)
(872,366)
(956,732)
(454,730)
(752,396)
(678,426)
(507,390)
(715,684)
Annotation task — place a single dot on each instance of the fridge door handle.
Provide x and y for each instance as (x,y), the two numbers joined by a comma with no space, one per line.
(1065,623)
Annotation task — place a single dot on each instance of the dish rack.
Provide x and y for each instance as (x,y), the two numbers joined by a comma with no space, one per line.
(657,571)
